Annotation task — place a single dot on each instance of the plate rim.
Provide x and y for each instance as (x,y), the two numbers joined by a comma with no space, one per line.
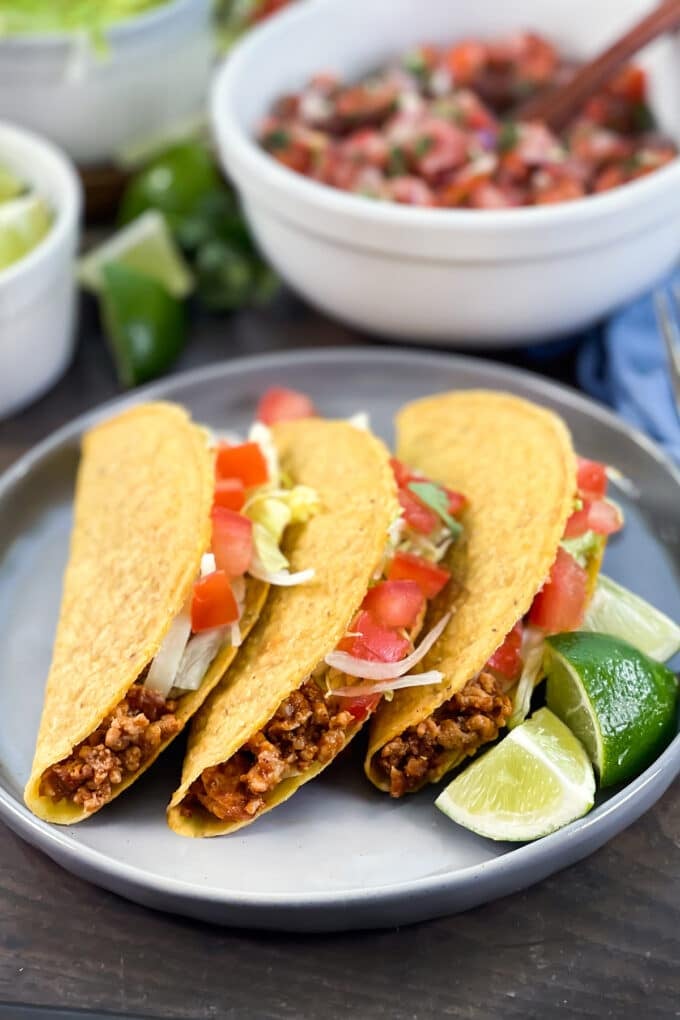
(110,873)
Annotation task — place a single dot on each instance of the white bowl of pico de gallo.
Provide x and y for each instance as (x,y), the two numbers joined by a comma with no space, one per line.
(384,175)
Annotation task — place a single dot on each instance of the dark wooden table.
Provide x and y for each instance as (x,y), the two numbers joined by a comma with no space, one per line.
(601,939)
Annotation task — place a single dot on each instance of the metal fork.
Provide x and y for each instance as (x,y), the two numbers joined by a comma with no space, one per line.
(668,316)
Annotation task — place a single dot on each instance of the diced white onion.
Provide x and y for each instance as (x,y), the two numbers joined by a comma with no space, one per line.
(354,666)
(360,420)
(236,638)
(208,565)
(197,657)
(433,676)
(164,667)
(262,435)
(282,578)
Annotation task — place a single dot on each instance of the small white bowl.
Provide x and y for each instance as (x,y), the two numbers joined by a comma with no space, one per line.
(156,73)
(38,293)
(438,275)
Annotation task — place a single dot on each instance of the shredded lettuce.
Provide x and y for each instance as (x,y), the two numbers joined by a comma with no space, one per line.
(583,548)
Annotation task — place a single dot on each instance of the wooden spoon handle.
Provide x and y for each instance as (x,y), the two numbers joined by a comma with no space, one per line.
(558,106)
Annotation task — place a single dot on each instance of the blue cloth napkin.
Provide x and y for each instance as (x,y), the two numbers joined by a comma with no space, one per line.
(624,364)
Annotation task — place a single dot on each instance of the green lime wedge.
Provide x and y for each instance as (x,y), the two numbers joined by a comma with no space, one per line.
(615,610)
(24,222)
(146,245)
(536,780)
(145,325)
(10,185)
(620,703)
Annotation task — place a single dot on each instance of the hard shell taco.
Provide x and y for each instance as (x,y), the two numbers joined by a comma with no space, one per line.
(165,579)
(289,706)
(534,531)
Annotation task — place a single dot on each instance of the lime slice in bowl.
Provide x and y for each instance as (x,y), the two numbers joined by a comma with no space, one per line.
(621,704)
(24,222)
(145,245)
(10,185)
(536,780)
(615,610)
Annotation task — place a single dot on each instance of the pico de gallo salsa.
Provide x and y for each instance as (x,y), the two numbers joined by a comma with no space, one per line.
(435,128)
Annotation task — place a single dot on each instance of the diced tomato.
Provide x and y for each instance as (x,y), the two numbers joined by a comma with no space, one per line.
(591,479)
(230,493)
(578,523)
(465,60)
(631,84)
(416,514)
(245,461)
(560,604)
(395,603)
(603,517)
(410,191)
(457,501)
(232,541)
(429,576)
(362,706)
(402,474)
(213,604)
(595,515)
(373,642)
(565,190)
(508,658)
(280,404)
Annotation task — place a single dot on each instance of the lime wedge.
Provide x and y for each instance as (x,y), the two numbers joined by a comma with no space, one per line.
(10,186)
(620,703)
(536,780)
(23,224)
(145,245)
(146,326)
(615,610)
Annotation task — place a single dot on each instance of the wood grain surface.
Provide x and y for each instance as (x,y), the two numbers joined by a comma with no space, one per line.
(601,939)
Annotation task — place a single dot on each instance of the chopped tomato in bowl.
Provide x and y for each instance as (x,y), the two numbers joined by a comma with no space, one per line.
(435,127)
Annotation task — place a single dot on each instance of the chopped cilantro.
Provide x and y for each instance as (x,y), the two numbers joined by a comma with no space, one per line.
(396,165)
(278,139)
(423,145)
(508,136)
(643,118)
(434,496)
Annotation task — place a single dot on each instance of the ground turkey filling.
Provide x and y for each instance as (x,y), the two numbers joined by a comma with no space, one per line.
(124,742)
(307,729)
(470,718)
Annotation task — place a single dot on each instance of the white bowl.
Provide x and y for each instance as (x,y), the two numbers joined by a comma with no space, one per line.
(38,293)
(156,72)
(469,276)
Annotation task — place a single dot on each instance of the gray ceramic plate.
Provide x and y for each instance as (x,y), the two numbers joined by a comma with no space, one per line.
(339,854)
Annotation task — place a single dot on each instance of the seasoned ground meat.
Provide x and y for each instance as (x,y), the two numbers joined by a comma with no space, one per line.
(121,745)
(470,718)
(306,728)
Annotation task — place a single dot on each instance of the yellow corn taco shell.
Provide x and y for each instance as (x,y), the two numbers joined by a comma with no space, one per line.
(344,543)
(515,463)
(142,522)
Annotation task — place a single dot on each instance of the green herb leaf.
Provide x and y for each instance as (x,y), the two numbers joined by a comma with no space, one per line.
(397,165)
(434,496)
(508,136)
(423,145)
(278,139)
